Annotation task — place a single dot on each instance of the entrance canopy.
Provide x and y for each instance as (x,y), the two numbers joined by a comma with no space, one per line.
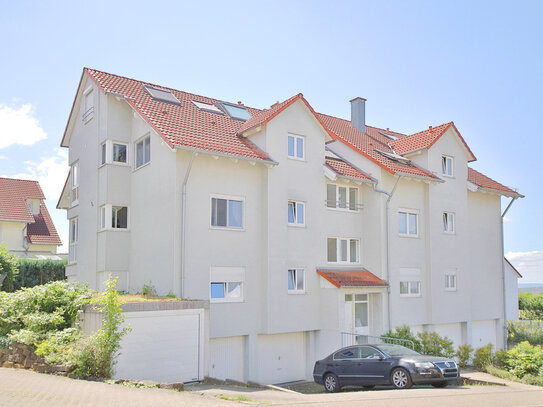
(351,278)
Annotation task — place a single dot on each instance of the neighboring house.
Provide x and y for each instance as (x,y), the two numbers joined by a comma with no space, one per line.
(301,229)
(26,228)
(511,291)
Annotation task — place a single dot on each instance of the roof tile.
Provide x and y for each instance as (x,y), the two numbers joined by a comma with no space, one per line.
(484,182)
(351,278)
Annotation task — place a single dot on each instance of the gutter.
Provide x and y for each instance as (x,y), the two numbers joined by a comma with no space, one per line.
(502,257)
(387,268)
(183,217)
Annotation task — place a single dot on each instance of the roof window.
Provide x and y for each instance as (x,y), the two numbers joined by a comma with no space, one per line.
(207,107)
(395,157)
(390,136)
(235,111)
(162,95)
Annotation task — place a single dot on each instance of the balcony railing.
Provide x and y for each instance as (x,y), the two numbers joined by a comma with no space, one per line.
(349,339)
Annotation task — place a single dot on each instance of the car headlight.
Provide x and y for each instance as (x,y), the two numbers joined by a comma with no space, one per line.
(424,365)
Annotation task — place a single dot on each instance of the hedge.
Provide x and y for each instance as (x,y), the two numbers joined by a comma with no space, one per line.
(36,272)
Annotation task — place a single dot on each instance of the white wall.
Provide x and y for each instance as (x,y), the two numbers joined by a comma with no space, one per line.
(511,292)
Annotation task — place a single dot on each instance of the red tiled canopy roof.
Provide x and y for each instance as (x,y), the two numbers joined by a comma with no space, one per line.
(14,207)
(344,169)
(484,182)
(351,278)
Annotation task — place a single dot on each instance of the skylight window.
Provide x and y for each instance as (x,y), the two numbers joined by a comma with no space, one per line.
(162,95)
(236,111)
(207,107)
(390,136)
(395,157)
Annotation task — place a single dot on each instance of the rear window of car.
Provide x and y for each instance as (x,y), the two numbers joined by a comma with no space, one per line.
(367,352)
(349,353)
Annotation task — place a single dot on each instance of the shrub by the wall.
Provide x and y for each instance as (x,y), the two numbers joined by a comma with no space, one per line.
(483,357)
(37,272)
(463,355)
(435,345)
(403,332)
(525,359)
(520,331)
(8,269)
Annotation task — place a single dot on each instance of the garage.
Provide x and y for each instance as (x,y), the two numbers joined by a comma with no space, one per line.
(281,358)
(483,333)
(227,358)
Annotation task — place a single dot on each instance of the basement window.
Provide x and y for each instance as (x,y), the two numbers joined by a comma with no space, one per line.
(235,111)
(207,107)
(162,95)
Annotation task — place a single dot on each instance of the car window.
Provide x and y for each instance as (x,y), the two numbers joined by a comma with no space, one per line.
(367,352)
(348,353)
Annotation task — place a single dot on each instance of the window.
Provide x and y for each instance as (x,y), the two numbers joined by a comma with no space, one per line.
(226,284)
(236,111)
(103,215)
(74,179)
(349,353)
(341,197)
(343,250)
(103,155)
(113,217)
(227,213)
(296,281)
(143,151)
(119,153)
(409,288)
(162,95)
(448,222)
(296,215)
(408,223)
(450,282)
(207,107)
(447,166)
(74,237)
(88,105)
(296,147)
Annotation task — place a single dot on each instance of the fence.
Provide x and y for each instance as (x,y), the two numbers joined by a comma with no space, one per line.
(349,339)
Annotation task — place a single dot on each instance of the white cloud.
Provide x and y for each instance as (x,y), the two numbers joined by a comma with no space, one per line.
(506,219)
(529,264)
(19,126)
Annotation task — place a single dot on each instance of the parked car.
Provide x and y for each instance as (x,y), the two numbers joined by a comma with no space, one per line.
(384,364)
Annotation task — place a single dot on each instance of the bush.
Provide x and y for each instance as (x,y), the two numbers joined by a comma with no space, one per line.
(524,359)
(531,306)
(463,355)
(435,345)
(37,272)
(403,332)
(500,358)
(483,357)
(520,331)
(8,268)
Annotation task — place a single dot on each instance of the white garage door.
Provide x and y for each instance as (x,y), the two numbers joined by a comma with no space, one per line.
(227,358)
(281,358)
(483,333)
(162,346)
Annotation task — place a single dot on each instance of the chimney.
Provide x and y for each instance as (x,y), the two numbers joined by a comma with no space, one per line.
(358,114)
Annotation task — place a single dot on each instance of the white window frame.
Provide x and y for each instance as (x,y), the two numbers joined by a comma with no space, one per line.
(449,226)
(297,272)
(121,143)
(105,217)
(447,163)
(295,138)
(451,281)
(88,108)
(103,154)
(74,239)
(142,142)
(74,184)
(295,208)
(408,212)
(338,250)
(347,204)
(109,146)
(227,198)
(411,284)
(226,276)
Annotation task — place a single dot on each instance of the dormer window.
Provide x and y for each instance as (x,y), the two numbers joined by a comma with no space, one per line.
(447,166)
(162,95)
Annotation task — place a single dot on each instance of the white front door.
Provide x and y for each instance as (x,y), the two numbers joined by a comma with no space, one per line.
(357,314)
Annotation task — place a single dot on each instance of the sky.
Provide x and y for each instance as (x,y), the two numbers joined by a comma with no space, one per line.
(418,63)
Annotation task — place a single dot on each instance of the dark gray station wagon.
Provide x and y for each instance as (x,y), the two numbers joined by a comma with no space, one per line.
(383,364)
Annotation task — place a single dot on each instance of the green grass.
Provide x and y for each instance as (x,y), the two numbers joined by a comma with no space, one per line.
(235,397)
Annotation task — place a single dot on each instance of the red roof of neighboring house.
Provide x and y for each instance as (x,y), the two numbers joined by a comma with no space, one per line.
(426,139)
(484,182)
(351,278)
(14,207)
(344,169)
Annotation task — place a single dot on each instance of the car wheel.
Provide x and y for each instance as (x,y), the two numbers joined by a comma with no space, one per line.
(331,383)
(400,378)
(440,385)
(369,386)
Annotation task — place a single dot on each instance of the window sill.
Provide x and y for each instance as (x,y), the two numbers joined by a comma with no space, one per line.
(114,230)
(71,264)
(410,295)
(227,229)
(141,166)
(343,263)
(409,236)
(74,204)
(225,301)
(449,233)
(297,159)
(448,176)
(296,292)
(450,289)
(346,210)
(296,225)
(119,164)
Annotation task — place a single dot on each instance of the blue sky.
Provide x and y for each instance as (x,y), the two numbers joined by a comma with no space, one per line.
(418,63)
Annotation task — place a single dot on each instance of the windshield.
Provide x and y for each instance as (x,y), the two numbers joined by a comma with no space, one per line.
(397,350)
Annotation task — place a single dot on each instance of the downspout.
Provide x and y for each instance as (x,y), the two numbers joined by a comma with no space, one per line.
(513,199)
(387,268)
(183,217)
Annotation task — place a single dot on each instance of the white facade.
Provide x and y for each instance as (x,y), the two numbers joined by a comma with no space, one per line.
(263,331)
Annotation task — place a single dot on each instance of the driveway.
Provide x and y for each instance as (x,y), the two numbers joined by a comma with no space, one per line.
(22,388)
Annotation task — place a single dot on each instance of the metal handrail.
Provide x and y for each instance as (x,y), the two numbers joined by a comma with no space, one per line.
(349,339)
(343,205)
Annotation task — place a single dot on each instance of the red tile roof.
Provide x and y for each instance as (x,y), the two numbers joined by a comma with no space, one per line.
(186,125)
(265,116)
(426,139)
(486,183)
(352,278)
(368,145)
(344,169)
(14,207)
